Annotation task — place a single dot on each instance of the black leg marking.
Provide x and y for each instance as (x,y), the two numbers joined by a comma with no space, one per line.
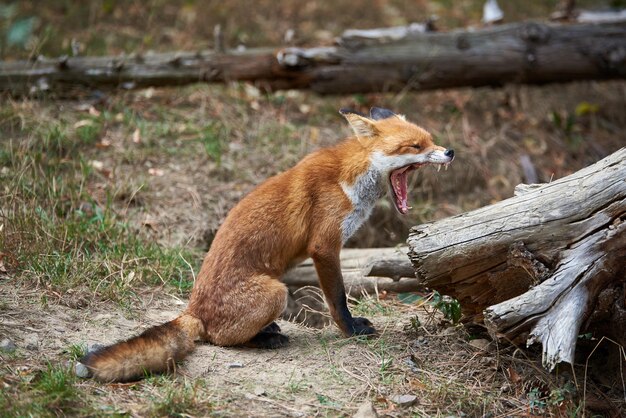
(268,340)
(353,325)
(363,326)
(273,327)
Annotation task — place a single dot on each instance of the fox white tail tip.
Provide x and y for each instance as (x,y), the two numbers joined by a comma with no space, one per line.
(80,370)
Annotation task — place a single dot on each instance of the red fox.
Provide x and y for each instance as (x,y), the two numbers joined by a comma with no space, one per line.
(308,211)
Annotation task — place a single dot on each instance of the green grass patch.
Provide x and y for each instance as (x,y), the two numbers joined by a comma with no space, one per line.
(77,351)
(213,137)
(370,306)
(177,398)
(57,235)
(50,392)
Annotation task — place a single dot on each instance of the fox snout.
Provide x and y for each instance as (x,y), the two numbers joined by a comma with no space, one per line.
(449,153)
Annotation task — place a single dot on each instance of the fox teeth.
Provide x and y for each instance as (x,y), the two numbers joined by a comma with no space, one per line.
(447,164)
(438,168)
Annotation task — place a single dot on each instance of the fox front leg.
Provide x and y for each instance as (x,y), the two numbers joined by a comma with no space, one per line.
(328,270)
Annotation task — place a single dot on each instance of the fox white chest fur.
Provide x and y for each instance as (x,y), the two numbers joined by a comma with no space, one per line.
(363,193)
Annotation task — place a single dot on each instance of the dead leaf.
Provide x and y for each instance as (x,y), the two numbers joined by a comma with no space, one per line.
(252,91)
(150,222)
(417,385)
(98,165)
(137,136)
(93,111)
(148,93)
(514,376)
(156,172)
(104,143)
(83,122)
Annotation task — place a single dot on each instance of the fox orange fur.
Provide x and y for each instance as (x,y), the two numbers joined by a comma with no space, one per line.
(307,211)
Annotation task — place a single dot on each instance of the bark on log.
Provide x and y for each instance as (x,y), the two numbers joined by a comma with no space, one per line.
(565,240)
(369,271)
(362,61)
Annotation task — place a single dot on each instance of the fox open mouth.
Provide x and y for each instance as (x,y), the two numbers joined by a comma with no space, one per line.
(399,180)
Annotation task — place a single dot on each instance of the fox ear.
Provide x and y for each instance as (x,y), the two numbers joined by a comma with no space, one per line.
(362,126)
(378,113)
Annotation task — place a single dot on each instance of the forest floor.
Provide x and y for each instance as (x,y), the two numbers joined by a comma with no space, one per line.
(428,369)
(108,206)
(109,199)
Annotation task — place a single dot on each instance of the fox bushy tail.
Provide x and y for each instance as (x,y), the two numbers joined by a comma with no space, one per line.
(155,350)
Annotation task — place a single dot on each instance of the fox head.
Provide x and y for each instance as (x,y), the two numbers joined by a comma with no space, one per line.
(396,148)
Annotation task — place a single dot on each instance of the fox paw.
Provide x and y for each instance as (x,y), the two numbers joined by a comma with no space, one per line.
(268,340)
(273,327)
(362,326)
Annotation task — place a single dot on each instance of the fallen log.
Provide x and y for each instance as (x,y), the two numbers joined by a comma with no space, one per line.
(365,271)
(535,264)
(361,61)
(368,271)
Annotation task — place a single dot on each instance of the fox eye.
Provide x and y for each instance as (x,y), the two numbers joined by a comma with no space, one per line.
(416,146)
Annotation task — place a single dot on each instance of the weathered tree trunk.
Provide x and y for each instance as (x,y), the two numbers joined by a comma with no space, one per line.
(362,61)
(369,271)
(366,271)
(536,263)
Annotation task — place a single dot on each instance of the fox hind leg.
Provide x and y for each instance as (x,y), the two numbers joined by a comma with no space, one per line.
(249,318)
(269,337)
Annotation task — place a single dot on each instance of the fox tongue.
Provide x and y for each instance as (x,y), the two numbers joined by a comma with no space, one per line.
(399,180)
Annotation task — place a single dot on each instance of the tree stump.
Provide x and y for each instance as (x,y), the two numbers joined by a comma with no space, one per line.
(542,265)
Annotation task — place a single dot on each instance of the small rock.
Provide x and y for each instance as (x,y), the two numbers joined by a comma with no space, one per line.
(32,343)
(7,346)
(234,365)
(366,410)
(81,370)
(411,364)
(480,343)
(404,400)
(259,391)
